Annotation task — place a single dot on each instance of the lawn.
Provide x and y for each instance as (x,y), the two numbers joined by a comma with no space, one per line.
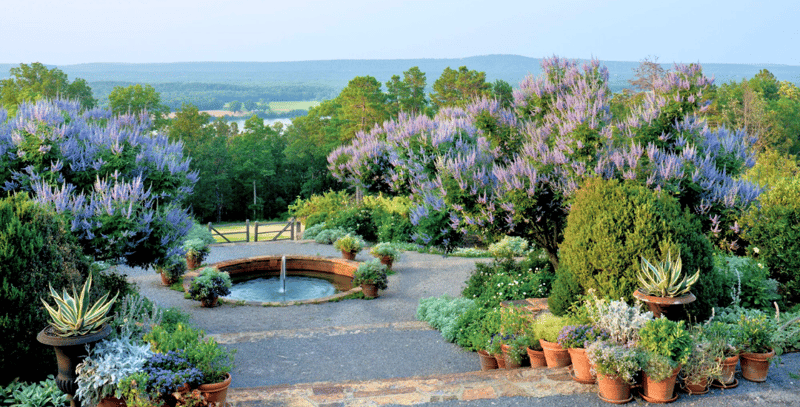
(240,228)
(293,105)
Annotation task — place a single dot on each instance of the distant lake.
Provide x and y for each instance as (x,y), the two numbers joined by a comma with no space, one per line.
(267,122)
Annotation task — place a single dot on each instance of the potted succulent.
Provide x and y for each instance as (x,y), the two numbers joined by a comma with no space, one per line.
(575,338)
(548,327)
(666,347)
(726,338)
(703,364)
(209,286)
(171,270)
(196,245)
(350,245)
(371,276)
(73,325)
(387,252)
(664,287)
(616,367)
(757,347)
(106,364)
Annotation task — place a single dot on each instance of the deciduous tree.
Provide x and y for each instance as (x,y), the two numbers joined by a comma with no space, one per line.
(30,83)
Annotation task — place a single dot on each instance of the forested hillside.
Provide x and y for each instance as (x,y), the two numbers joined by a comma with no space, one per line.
(209,85)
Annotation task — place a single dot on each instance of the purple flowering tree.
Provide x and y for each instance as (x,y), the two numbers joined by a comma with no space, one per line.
(121,186)
(513,171)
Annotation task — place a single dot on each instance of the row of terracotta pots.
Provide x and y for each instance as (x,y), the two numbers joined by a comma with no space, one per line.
(551,355)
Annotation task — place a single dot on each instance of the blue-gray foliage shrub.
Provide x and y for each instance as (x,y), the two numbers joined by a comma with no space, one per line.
(442,313)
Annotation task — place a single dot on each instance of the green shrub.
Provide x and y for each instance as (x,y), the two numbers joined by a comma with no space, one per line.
(312,231)
(566,291)
(328,236)
(476,326)
(747,282)
(773,231)
(319,206)
(498,281)
(509,247)
(392,227)
(443,312)
(36,248)
(612,224)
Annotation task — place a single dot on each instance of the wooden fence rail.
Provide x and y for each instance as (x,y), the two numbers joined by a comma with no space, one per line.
(292,228)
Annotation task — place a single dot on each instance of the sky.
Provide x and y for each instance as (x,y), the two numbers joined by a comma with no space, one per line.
(136,31)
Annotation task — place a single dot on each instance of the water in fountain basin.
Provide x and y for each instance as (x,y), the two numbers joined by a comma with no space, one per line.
(267,289)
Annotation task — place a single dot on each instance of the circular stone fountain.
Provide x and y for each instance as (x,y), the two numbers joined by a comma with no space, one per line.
(257,280)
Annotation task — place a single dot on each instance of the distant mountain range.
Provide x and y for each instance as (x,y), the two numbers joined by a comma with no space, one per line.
(333,75)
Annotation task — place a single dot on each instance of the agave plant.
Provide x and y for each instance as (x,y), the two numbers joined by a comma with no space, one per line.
(74,317)
(666,279)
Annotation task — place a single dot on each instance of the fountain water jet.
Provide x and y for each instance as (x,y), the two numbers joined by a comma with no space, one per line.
(282,288)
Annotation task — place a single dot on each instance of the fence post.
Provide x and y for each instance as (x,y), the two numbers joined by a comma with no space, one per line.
(291,230)
(247,230)
(209,227)
(255,232)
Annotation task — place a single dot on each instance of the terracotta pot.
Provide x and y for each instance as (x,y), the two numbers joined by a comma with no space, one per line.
(166,280)
(671,308)
(192,262)
(555,355)
(209,302)
(387,261)
(612,389)
(70,351)
(501,360)
(111,402)
(699,387)
(216,392)
(755,366)
(729,369)
(510,363)
(581,368)
(369,290)
(488,362)
(662,391)
(537,358)
(348,255)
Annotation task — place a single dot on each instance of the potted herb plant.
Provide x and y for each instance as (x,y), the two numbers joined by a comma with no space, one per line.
(616,367)
(514,348)
(388,253)
(664,287)
(534,346)
(106,364)
(371,276)
(196,245)
(171,270)
(757,347)
(704,363)
(480,339)
(575,338)
(667,346)
(73,325)
(495,348)
(548,327)
(350,245)
(209,286)
(726,338)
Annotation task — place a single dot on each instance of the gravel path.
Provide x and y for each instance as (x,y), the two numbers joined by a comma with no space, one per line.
(346,340)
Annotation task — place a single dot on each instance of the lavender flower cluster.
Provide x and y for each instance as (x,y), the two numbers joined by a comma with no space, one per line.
(581,336)
(120,186)
(513,171)
(169,371)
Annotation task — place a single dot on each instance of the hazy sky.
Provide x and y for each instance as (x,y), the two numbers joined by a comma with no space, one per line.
(83,31)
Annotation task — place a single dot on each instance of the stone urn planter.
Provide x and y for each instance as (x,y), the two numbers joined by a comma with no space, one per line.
(70,351)
(670,308)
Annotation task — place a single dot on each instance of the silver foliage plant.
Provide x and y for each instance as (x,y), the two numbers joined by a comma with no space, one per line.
(106,365)
(621,320)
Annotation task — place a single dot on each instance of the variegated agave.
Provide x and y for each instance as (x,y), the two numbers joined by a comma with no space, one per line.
(73,316)
(665,279)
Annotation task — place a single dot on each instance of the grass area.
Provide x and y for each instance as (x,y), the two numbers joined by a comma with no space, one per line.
(289,106)
(240,229)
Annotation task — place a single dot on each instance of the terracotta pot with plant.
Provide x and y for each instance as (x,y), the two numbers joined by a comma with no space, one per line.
(209,286)
(664,288)
(349,245)
(703,364)
(725,340)
(757,347)
(388,253)
(104,368)
(371,276)
(171,270)
(73,325)
(666,345)
(616,367)
(548,326)
(575,338)
(196,245)
(480,341)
